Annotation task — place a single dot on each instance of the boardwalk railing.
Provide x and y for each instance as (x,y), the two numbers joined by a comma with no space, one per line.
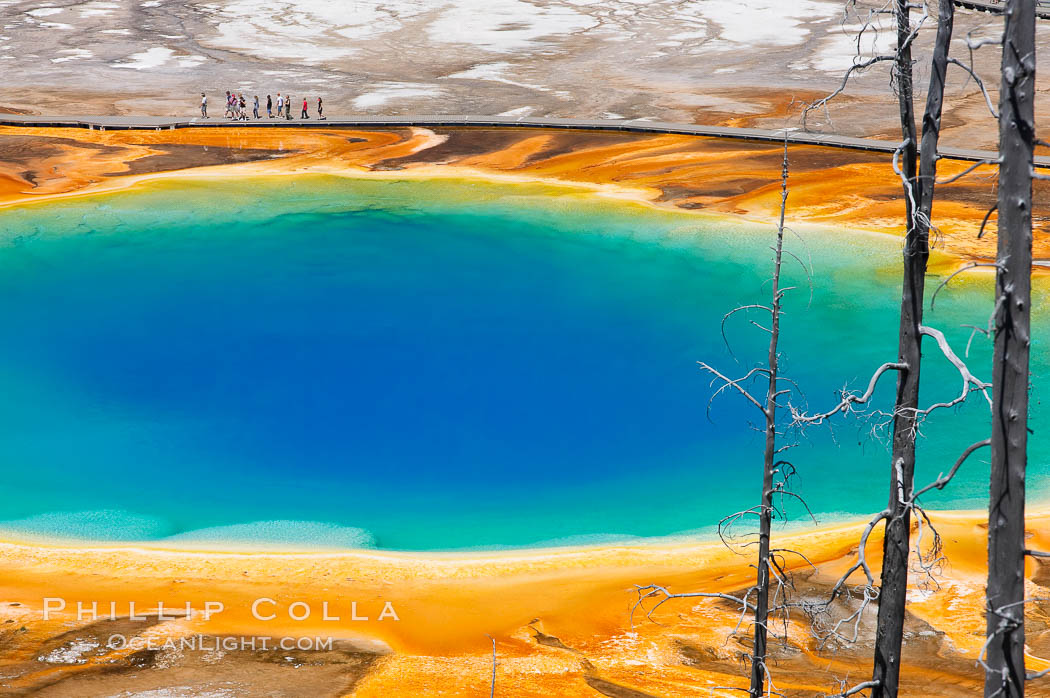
(792,135)
(1042,6)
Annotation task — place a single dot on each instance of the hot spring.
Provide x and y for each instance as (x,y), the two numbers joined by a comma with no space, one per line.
(441,364)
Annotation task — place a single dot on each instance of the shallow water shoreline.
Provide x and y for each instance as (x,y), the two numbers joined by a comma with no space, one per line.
(678,172)
(187,544)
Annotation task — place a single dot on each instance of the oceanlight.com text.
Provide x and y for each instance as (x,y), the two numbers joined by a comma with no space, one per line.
(217,644)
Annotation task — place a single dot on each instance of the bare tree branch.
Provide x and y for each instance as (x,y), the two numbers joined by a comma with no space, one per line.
(822,103)
(735,384)
(968,170)
(961,270)
(848,398)
(492,690)
(970,382)
(984,221)
(973,74)
(734,311)
(855,690)
(652,590)
(942,480)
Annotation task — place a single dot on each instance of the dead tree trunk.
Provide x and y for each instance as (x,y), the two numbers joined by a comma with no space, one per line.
(918,207)
(770,564)
(931,118)
(1004,661)
(758,654)
(918,201)
(894,585)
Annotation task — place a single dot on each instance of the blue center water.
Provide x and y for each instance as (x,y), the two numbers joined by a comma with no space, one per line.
(434,365)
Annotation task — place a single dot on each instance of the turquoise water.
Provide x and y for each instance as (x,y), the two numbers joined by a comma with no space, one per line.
(434,365)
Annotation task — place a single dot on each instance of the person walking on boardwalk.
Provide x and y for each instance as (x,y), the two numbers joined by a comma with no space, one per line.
(288,108)
(304,115)
(204,106)
(280,105)
(255,107)
(269,107)
(320,109)
(229,106)
(242,113)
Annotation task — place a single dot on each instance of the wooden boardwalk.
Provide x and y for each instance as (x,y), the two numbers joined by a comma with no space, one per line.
(795,136)
(1042,7)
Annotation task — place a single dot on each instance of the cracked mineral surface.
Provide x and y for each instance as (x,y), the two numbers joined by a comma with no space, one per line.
(737,62)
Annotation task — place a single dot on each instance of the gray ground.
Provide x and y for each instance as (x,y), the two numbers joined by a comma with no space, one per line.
(706,61)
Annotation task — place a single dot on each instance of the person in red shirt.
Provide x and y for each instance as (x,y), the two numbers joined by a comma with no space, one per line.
(304,114)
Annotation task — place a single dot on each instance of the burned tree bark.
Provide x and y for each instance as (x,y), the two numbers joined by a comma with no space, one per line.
(931,118)
(772,576)
(919,195)
(896,546)
(918,204)
(1004,660)
(765,514)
